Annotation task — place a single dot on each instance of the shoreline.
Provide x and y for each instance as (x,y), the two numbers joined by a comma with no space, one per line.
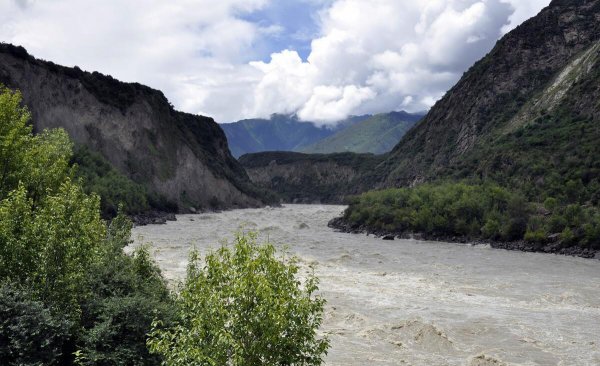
(340,225)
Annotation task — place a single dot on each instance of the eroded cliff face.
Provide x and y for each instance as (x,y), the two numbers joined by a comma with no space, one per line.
(181,156)
(490,97)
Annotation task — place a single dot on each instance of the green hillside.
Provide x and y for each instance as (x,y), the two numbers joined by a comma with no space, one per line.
(377,135)
(279,133)
(525,118)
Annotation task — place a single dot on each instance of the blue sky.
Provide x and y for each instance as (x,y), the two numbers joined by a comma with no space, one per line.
(232,59)
(298,22)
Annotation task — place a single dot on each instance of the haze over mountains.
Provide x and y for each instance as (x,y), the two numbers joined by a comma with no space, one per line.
(361,134)
(377,134)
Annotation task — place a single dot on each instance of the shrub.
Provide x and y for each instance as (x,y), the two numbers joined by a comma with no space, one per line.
(30,334)
(78,291)
(536,237)
(244,306)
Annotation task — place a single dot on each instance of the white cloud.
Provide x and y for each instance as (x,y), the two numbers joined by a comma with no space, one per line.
(380,55)
(370,55)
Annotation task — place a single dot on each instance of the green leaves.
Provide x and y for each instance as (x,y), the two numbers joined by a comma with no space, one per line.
(77,290)
(444,209)
(30,334)
(244,306)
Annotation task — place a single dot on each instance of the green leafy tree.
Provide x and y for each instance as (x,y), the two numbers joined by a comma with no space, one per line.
(77,290)
(244,306)
(50,230)
(30,334)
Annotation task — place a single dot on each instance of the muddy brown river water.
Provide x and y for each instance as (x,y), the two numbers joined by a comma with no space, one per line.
(407,302)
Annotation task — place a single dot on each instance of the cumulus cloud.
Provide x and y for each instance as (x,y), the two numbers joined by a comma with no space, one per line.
(368,56)
(196,51)
(380,55)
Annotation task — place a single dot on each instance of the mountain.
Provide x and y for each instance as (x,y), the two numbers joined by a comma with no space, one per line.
(526,116)
(310,178)
(279,133)
(183,157)
(527,113)
(377,134)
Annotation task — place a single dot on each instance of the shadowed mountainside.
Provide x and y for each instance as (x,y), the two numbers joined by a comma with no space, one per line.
(181,156)
(310,178)
(533,74)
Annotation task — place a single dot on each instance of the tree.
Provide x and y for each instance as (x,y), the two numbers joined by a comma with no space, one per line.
(51,232)
(68,292)
(30,334)
(243,306)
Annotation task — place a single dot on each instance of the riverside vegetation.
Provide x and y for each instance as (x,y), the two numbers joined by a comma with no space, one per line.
(470,212)
(69,295)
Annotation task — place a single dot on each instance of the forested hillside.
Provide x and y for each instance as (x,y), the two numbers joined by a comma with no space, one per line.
(526,118)
(377,135)
(279,133)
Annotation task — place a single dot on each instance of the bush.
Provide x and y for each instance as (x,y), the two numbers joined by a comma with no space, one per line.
(448,209)
(78,292)
(475,211)
(536,237)
(126,294)
(30,334)
(243,306)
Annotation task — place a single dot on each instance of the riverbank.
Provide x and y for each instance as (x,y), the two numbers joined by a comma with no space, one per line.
(342,225)
(413,302)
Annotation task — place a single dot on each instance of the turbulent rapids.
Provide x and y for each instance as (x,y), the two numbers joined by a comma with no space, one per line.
(416,303)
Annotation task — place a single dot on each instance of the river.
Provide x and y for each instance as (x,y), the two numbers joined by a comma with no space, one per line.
(408,302)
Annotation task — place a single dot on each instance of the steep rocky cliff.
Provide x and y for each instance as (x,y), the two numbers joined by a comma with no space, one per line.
(310,178)
(184,157)
(528,74)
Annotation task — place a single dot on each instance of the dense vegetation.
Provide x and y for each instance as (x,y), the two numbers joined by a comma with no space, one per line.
(115,189)
(243,306)
(67,291)
(69,295)
(475,211)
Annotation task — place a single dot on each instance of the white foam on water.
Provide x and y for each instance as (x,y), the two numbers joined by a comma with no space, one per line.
(407,302)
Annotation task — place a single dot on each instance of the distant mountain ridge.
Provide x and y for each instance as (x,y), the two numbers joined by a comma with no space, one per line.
(279,133)
(377,134)
(361,134)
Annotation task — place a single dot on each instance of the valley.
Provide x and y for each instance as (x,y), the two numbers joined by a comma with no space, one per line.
(341,230)
(414,302)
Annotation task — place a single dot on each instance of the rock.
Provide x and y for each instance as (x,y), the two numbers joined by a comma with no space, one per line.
(135,128)
(388,237)
(553,238)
